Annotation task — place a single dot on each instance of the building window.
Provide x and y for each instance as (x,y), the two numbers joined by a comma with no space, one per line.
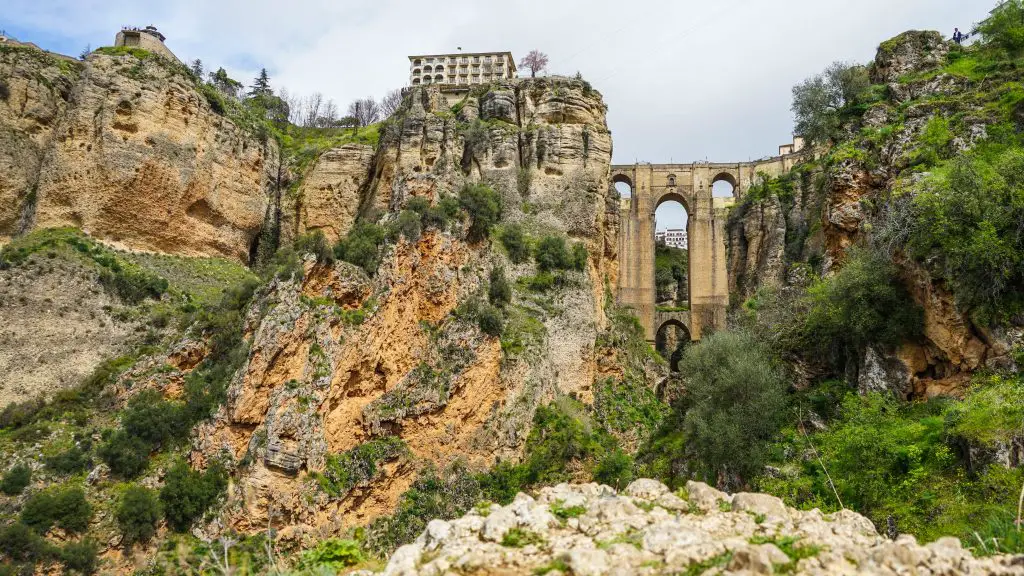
(439,78)
(415,81)
(671,179)
(417,62)
(427,69)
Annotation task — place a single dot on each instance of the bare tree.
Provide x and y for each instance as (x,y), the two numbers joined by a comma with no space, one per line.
(391,102)
(366,111)
(311,109)
(328,116)
(535,61)
(295,106)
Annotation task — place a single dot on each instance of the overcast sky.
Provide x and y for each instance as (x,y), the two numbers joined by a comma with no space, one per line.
(684,80)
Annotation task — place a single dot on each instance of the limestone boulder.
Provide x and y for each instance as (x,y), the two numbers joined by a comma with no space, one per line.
(909,53)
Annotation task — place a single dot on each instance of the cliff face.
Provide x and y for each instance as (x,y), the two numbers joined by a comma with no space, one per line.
(838,204)
(339,360)
(129,151)
(35,87)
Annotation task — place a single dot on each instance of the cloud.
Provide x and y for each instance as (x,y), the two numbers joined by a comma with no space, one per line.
(684,80)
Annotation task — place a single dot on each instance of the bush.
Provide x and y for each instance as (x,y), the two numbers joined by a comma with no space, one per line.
(154,420)
(137,514)
(315,243)
(351,468)
(737,399)
(499,292)
(19,543)
(615,469)
(131,284)
(126,455)
(551,254)
(362,246)
(80,557)
(333,553)
(407,225)
(187,493)
(16,479)
(418,204)
(491,321)
(66,507)
(863,304)
(74,459)
(968,219)
(1005,28)
(483,205)
(516,244)
(579,256)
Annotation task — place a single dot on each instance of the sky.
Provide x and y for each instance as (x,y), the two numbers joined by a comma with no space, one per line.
(684,80)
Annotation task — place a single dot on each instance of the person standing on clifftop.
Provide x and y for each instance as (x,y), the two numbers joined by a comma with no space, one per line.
(958,36)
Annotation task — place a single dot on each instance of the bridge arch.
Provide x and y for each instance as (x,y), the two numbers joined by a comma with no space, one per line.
(725,185)
(671,348)
(672,196)
(623,184)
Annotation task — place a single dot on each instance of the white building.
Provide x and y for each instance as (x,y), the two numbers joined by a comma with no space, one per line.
(673,238)
(461,70)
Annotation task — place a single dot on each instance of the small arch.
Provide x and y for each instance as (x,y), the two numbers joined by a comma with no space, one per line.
(417,62)
(671,179)
(439,78)
(415,81)
(426,79)
(416,71)
(678,342)
(428,69)
(723,185)
(623,185)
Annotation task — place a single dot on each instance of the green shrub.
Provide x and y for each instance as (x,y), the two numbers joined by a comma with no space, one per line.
(65,507)
(579,255)
(483,205)
(344,471)
(333,553)
(615,469)
(541,282)
(408,225)
(125,455)
(551,254)
(80,557)
(1004,29)
(315,243)
(966,220)
(137,514)
(362,246)
(445,495)
(418,204)
(516,244)
(863,304)
(131,284)
(491,321)
(16,479)
(72,460)
(187,493)
(499,292)
(737,401)
(819,101)
(20,543)
(519,538)
(154,420)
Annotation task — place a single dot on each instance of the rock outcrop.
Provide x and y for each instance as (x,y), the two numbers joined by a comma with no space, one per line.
(592,530)
(338,359)
(128,150)
(35,87)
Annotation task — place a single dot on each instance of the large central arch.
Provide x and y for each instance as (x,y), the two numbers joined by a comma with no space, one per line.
(692,186)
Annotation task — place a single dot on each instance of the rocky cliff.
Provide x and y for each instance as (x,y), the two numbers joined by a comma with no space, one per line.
(125,147)
(843,197)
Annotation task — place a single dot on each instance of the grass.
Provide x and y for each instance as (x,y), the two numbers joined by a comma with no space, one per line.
(520,538)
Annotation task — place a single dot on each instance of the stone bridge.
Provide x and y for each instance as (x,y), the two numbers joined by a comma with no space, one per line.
(690,185)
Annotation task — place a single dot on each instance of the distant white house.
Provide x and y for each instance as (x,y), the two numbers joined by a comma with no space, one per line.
(673,238)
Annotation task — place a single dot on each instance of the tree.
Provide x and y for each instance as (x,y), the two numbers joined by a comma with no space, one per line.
(261,85)
(86,51)
(187,493)
(391,102)
(16,479)
(500,291)
(1005,28)
(737,402)
(819,100)
(366,111)
(483,205)
(197,68)
(227,85)
(535,61)
(137,514)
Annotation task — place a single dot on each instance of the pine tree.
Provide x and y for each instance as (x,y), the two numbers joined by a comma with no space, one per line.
(261,85)
(197,68)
